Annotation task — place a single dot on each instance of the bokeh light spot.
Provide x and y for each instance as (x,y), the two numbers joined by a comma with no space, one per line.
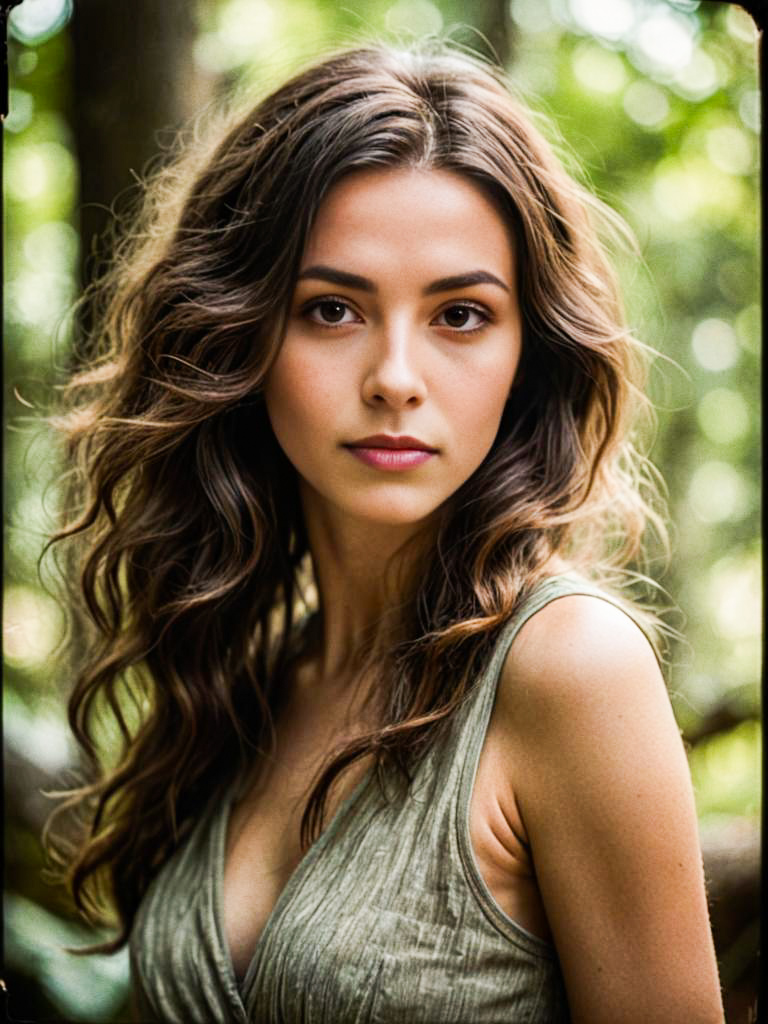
(32,625)
(723,415)
(42,734)
(244,29)
(749,109)
(718,492)
(735,595)
(52,246)
(40,299)
(646,104)
(607,19)
(715,345)
(730,149)
(665,40)
(699,78)
(34,21)
(46,168)
(20,109)
(27,62)
(531,15)
(597,69)
(690,188)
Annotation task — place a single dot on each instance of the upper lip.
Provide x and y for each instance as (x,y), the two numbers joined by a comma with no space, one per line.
(392,441)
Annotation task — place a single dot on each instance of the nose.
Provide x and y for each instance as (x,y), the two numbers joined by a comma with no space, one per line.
(392,376)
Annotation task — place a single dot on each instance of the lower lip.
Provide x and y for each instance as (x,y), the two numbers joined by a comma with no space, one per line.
(391,458)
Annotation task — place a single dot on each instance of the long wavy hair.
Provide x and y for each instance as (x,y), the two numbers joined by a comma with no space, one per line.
(184,522)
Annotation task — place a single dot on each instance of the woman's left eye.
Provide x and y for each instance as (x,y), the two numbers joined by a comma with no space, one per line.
(463,318)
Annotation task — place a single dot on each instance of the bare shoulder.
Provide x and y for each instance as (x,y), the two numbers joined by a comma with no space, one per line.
(578,654)
(596,765)
(583,703)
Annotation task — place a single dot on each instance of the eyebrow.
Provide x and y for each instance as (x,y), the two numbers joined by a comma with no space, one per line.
(321,272)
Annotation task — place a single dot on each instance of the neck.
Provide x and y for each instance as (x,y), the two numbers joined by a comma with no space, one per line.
(365,574)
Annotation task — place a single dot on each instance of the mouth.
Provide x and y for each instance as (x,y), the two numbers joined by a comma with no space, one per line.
(392,442)
(388,452)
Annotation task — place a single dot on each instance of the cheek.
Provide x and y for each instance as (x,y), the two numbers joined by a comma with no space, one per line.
(297,396)
(478,403)
(302,393)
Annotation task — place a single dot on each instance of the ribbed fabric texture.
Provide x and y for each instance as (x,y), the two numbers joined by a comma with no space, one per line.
(386,920)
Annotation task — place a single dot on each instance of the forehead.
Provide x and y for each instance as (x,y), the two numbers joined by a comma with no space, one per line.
(415,218)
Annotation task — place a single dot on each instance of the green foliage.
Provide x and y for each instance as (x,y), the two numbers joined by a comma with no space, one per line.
(674,149)
(724,768)
(38,941)
(665,126)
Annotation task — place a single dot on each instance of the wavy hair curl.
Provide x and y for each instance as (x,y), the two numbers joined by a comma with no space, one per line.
(188,539)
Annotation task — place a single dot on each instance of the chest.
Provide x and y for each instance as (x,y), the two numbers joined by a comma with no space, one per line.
(393,901)
(263,841)
(263,848)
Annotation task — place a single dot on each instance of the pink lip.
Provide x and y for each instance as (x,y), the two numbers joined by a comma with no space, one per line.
(392,441)
(386,451)
(391,458)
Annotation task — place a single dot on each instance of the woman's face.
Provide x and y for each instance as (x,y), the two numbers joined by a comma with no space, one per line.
(402,342)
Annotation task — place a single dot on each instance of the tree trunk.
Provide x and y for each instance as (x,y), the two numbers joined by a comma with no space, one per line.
(134,77)
(496,25)
(491,19)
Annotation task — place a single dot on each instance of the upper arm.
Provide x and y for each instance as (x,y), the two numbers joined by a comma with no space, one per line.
(602,784)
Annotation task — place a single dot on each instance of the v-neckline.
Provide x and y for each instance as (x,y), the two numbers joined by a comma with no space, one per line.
(219,851)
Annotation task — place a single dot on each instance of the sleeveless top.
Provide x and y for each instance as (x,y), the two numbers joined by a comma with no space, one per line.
(386,919)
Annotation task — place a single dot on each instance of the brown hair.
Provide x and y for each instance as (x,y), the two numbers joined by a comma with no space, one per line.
(190,540)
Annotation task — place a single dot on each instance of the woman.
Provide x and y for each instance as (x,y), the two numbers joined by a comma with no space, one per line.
(356,478)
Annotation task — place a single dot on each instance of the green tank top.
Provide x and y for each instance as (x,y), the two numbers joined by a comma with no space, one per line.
(386,920)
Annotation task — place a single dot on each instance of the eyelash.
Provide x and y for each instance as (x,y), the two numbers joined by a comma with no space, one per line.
(486,317)
(473,307)
(325,299)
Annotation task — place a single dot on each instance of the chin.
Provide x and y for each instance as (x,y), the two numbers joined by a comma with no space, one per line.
(390,506)
(393,513)
(383,504)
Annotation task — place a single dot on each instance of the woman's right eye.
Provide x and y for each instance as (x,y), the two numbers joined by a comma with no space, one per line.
(331,313)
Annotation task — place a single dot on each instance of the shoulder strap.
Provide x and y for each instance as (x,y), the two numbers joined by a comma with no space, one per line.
(474,725)
(473,731)
(564,585)
(542,594)
(482,701)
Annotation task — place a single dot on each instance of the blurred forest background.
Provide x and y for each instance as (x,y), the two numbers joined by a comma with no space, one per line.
(658,100)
